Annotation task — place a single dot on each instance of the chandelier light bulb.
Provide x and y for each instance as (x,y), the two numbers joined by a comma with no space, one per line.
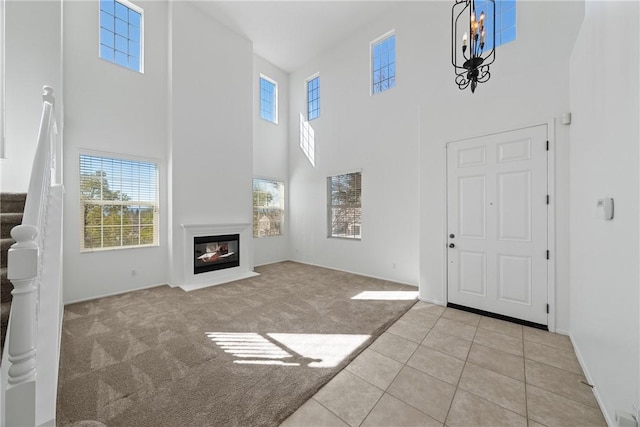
(472,64)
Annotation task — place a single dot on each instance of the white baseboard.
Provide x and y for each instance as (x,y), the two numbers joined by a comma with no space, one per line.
(610,420)
(563,332)
(272,262)
(355,272)
(111,294)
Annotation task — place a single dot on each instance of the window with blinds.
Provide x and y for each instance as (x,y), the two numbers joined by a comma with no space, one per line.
(344,213)
(268,207)
(118,202)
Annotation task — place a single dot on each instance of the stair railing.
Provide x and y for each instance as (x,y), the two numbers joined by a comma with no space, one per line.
(29,380)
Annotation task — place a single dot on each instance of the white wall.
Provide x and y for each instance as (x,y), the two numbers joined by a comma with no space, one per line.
(605,322)
(524,90)
(398,138)
(270,156)
(114,110)
(210,151)
(355,131)
(33,59)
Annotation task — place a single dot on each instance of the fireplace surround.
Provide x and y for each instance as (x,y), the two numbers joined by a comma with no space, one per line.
(215,254)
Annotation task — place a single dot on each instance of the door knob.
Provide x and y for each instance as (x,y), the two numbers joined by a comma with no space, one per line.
(451,236)
(451,245)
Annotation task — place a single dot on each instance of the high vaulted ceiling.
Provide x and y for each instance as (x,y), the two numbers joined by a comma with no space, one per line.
(290,33)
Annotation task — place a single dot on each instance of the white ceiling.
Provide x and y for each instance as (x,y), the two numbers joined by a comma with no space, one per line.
(290,33)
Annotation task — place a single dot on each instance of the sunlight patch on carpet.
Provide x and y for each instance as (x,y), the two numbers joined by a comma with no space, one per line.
(387,295)
(312,350)
(322,350)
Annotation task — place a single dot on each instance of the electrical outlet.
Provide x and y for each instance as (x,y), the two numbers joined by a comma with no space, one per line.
(393,265)
(133,272)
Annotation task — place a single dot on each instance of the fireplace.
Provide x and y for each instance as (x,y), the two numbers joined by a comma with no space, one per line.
(211,253)
(199,270)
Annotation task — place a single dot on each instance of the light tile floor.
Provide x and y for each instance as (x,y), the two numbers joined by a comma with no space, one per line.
(438,366)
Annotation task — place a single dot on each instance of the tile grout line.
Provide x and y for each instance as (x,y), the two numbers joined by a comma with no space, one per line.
(404,364)
(459,378)
(387,387)
(320,403)
(568,398)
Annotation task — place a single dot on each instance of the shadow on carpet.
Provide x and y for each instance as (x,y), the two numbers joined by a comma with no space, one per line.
(247,353)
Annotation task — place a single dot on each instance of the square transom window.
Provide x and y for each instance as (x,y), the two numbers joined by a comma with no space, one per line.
(313,98)
(121,33)
(268,99)
(383,64)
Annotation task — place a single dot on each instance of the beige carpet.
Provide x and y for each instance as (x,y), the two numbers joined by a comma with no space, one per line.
(246,353)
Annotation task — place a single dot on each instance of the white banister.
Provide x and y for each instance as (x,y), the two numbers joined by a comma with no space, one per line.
(29,382)
(23,272)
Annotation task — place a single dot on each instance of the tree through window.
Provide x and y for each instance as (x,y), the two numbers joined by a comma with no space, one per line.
(383,64)
(268,207)
(344,214)
(119,203)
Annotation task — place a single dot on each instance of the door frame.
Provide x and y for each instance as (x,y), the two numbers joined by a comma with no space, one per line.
(551,223)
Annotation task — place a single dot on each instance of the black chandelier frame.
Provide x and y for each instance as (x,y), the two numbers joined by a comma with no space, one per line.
(475,60)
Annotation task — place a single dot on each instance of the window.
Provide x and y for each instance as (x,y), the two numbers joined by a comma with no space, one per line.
(268,99)
(505,21)
(313,98)
(344,209)
(383,64)
(119,203)
(121,33)
(268,207)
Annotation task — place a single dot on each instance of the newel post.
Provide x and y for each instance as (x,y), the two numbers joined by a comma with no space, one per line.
(23,273)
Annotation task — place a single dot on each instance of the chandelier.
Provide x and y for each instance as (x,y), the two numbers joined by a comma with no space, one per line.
(471,59)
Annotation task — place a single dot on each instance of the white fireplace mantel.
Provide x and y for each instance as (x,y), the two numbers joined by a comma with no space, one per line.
(245,270)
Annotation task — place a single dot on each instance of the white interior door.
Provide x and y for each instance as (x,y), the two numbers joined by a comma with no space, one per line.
(497,223)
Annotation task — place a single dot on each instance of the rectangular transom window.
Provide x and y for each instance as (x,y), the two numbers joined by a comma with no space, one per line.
(383,64)
(121,33)
(313,98)
(505,21)
(119,203)
(268,99)
(344,205)
(268,207)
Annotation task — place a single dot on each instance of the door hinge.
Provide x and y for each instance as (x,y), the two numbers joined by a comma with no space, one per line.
(547,308)
(547,145)
(547,199)
(547,254)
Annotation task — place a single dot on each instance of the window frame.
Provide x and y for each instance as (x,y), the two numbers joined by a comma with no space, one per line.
(331,206)
(306,86)
(372,45)
(275,98)
(101,202)
(499,22)
(281,208)
(135,8)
